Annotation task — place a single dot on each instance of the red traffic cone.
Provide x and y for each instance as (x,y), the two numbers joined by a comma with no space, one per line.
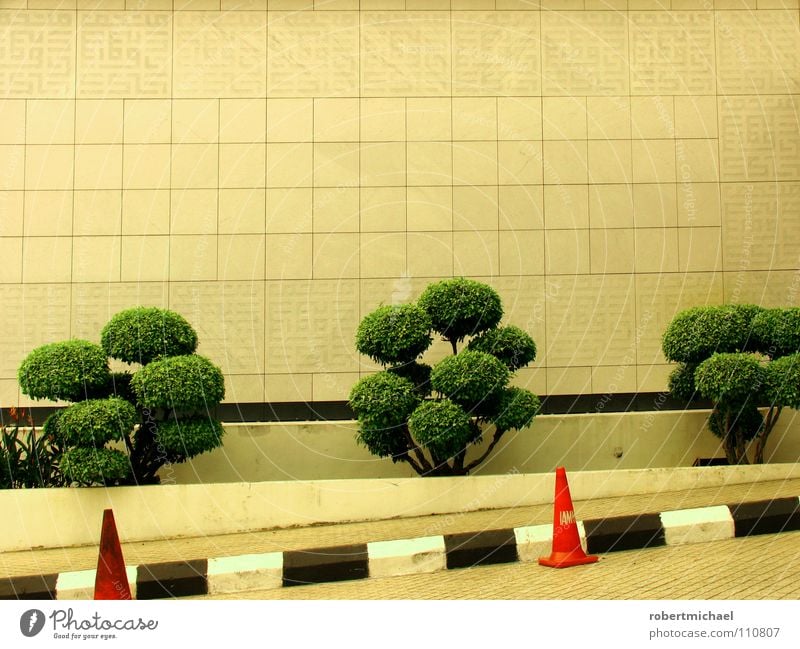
(567,550)
(111,581)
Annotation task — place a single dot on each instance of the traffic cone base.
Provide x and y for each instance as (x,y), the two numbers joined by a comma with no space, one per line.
(111,581)
(567,550)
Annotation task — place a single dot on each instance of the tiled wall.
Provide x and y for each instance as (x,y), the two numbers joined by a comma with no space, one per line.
(275,172)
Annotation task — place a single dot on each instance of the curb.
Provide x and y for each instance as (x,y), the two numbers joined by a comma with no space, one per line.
(226,575)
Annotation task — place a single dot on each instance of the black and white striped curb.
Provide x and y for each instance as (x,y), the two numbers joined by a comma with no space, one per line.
(420,555)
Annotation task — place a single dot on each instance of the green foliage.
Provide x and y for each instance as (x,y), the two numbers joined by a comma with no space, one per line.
(383,400)
(65,371)
(778,331)
(96,422)
(28,458)
(510,344)
(442,427)
(185,438)
(418,373)
(88,466)
(394,334)
(516,410)
(471,379)
(183,383)
(783,381)
(461,307)
(143,334)
(681,381)
(697,333)
(744,421)
(730,379)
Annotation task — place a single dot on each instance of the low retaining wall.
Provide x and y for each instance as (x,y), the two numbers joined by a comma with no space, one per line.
(39,518)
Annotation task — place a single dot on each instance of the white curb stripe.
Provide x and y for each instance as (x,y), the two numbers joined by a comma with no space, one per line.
(80,583)
(407,556)
(537,541)
(697,525)
(245,572)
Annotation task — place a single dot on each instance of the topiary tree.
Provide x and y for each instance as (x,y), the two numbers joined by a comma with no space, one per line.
(430,416)
(742,358)
(123,427)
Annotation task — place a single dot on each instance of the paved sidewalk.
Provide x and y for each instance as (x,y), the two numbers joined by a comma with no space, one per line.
(35,562)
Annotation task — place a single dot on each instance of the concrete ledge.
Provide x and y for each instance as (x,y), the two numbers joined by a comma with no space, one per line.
(422,555)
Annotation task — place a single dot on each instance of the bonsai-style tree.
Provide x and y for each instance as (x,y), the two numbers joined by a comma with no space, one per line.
(429,416)
(742,358)
(121,428)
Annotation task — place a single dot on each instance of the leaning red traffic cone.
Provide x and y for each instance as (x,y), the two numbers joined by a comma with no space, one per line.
(111,581)
(567,550)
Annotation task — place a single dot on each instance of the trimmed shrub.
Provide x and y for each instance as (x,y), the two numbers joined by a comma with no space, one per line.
(96,422)
(461,307)
(744,422)
(778,331)
(64,371)
(517,409)
(510,344)
(143,334)
(418,373)
(87,466)
(471,379)
(182,383)
(186,438)
(392,335)
(783,381)
(730,379)
(442,427)
(383,400)
(681,381)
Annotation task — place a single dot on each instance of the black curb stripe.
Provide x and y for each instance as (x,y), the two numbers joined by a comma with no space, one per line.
(766,516)
(467,549)
(320,565)
(624,533)
(172,579)
(29,587)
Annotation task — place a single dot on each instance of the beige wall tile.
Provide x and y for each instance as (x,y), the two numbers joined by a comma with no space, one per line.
(520,162)
(12,121)
(145,259)
(475,163)
(98,166)
(333,386)
(289,256)
(336,255)
(12,166)
(242,211)
(429,119)
(383,164)
(521,253)
(11,213)
(565,162)
(652,118)
(653,161)
(11,254)
(656,250)
(195,121)
(698,160)
(430,209)
(696,117)
(289,165)
(47,259)
(430,254)
(146,166)
(653,378)
(698,204)
(564,118)
(609,161)
(193,211)
(192,257)
(476,254)
(147,121)
(290,120)
(145,211)
(242,120)
(336,209)
(241,257)
(655,205)
(566,207)
(242,165)
(612,251)
(611,206)
(289,210)
(48,214)
(98,121)
(700,249)
(244,388)
(608,118)
(383,209)
(50,121)
(519,118)
(382,254)
(195,166)
(96,259)
(569,380)
(97,212)
(474,118)
(430,163)
(336,164)
(566,252)
(521,208)
(614,379)
(49,166)
(287,387)
(336,120)
(383,120)
(475,208)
